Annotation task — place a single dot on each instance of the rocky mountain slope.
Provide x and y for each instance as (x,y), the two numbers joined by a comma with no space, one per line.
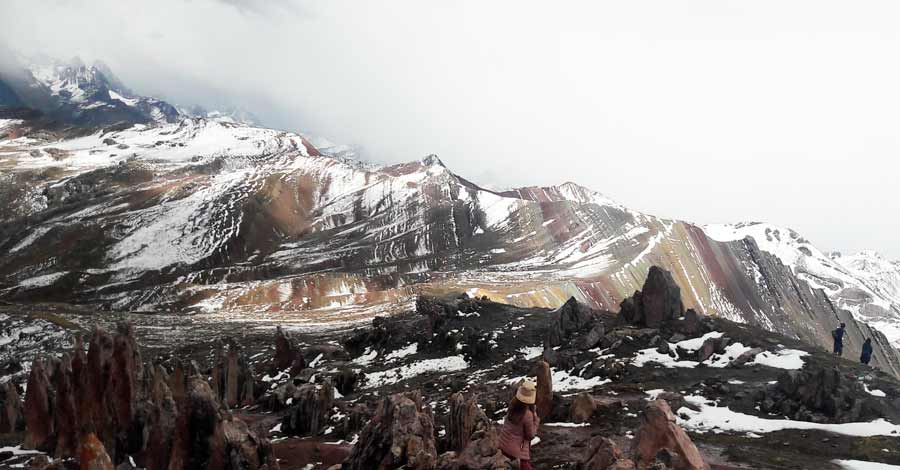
(864,283)
(656,386)
(90,95)
(231,221)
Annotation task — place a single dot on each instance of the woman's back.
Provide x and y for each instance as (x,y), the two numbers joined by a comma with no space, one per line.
(516,434)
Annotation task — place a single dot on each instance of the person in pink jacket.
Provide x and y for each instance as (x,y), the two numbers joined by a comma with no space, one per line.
(520,426)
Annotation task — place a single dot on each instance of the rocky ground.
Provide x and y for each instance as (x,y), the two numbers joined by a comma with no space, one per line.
(653,386)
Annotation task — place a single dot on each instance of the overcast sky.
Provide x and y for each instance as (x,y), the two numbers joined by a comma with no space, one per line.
(709,111)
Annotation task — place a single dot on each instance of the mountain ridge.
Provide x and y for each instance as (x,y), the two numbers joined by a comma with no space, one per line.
(227,220)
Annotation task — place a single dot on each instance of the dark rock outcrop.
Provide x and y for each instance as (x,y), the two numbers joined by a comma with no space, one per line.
(471,436)
(745,357)
(574,319)
(585,406)
(604,454)
(12,417)
(233,379)
(544,399)
(820,394)
(311,406)
(207,438)
(712,346)
(658,303)
(346,381)
(401,434)
(38,418)
(659,431)
(694,324)
(106,408)
(92,455)
(287,355)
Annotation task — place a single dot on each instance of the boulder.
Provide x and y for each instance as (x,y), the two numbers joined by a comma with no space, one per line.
(311,406)
(663,347)
(693,324)
(712,346)
(608,367)
(482,453)
(658,303)
(38,418)
(602,454)
(65,415)
(659,431)
(464,417)
(585,406)
(544,399)
(401,434)
(233,379)
(630,312)
(474,441)
(569,320)
(246,450)
(591,338)
(12,418)
(660,298)
(205,438)
(436,311)
(623,464)
(125,375)
(92,455)
(677,338)
(803,394)
(286,354)
(744,358)
(346,380)
(707,349)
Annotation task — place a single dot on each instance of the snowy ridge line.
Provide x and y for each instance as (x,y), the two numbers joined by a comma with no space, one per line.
(865,284)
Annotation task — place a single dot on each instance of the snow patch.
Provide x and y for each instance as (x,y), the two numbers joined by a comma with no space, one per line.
(722,419)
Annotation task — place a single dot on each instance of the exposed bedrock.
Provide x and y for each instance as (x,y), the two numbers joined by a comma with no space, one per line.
(399,435)
(821,395)
(312,406)
(107,406)
(233,379)
(474,441)
(658,302)
(575,320)
(12,414)
(659,434)
(287,354)
(603,454)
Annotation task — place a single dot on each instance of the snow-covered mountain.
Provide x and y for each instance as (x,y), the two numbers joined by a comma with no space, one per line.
(863,283)
(91,95)
(231,220)
(76,93)
(222,218)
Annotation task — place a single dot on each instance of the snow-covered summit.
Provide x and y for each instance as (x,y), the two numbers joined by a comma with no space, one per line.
(864,283)
(567,191)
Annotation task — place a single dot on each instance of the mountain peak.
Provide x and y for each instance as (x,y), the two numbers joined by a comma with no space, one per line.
(433,160)
(567,191)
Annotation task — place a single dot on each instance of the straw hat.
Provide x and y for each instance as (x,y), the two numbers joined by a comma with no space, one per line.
(526,392)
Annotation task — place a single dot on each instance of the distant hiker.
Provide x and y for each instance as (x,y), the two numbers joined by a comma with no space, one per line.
(520,426)
(866,355)
(838,335)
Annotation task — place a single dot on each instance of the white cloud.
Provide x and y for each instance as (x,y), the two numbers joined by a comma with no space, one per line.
(713,111)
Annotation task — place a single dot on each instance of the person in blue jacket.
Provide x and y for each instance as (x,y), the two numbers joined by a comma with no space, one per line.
(866,355)
(838,335)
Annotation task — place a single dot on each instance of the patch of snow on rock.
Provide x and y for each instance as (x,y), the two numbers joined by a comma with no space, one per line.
(403,352)
(864,465)
(722,419)
(790,359)
(391,376)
